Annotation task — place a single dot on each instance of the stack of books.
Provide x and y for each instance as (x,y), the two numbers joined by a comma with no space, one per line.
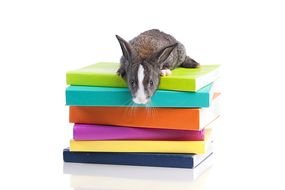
(173,130)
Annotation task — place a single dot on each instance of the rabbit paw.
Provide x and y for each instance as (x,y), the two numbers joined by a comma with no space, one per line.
(165,72)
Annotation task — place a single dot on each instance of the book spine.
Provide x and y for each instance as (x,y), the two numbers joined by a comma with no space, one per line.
(91,96)
(135,159)
(160,118)
(103,132)
(197,147)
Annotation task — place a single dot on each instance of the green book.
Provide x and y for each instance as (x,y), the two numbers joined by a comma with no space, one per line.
(181,79)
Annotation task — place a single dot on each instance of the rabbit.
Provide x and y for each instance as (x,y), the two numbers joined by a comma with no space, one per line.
(148,56)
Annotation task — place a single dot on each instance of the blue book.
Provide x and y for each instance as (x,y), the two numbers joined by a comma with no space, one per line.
(121,97)
(136,159)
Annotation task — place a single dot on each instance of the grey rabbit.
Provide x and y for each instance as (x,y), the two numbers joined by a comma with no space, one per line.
(146,57)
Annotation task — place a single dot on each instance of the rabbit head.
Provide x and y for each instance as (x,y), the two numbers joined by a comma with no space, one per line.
(142,75)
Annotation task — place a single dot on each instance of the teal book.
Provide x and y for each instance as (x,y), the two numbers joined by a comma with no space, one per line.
(182,79)
(121,97)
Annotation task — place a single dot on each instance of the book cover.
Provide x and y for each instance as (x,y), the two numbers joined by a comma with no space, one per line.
(160,118)
(136,159)
(105,132)
(108,96)
(196,147)
(181,79)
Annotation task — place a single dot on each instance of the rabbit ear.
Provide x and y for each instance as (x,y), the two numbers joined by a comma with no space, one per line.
(164,53)
(126,49)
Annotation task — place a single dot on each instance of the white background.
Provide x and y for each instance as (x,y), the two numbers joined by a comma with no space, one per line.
(41,40)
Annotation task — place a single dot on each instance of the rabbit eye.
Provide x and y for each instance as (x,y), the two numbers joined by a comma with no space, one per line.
(133,83)
(151,83)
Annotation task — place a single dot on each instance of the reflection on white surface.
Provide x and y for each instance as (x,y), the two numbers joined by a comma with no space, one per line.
(95,176)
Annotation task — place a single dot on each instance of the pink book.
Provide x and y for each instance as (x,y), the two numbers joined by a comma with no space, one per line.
(105,132)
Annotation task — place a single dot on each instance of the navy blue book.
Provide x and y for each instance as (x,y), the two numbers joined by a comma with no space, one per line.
(136,159)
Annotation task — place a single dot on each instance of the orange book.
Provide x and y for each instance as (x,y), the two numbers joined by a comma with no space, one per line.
(163,118)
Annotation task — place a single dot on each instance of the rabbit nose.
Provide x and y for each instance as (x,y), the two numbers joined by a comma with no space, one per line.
(140,100)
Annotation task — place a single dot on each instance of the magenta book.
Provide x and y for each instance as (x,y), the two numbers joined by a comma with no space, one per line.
(104,132)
